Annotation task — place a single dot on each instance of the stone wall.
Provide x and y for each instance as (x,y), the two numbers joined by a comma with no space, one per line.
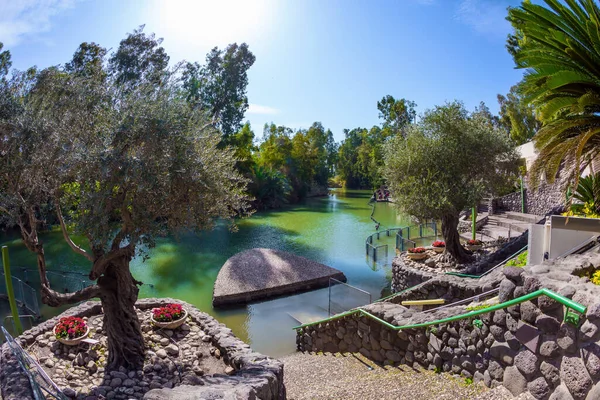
(538,202)
(255,376)
(526,347)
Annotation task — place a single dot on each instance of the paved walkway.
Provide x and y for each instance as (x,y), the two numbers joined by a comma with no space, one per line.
(317,377)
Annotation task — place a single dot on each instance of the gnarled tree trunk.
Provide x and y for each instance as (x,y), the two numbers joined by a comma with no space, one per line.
(118,293)
(452,239)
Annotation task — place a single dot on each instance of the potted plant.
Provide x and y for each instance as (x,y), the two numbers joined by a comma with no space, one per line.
(170,316)
(71,330)
(417,253)
(438,246)
(474,245)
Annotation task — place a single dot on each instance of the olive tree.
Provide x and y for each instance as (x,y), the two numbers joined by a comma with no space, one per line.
(448,162)
(117,164)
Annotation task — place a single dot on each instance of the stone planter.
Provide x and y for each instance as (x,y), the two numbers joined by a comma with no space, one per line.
(438,249)
(171,324)
(416,256)
(474,247)
(72,342)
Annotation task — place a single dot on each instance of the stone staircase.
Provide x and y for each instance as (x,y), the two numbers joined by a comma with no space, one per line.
(507,224)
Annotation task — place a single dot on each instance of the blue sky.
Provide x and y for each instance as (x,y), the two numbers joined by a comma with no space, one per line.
(316,60)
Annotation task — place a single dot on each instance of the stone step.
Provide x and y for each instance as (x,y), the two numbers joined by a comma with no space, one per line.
(529,218)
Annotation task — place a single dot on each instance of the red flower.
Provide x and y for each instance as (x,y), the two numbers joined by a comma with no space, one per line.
(417,250)
(474,242)
(439,243)
(168,313)
(70,328)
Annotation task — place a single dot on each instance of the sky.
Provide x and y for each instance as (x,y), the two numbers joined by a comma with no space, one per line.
(316,60)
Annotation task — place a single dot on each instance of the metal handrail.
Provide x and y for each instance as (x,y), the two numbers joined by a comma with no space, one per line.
(545,292)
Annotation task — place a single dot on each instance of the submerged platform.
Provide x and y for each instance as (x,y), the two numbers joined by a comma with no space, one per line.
(262,273)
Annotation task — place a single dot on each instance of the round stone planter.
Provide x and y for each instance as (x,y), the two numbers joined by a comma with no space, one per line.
(474,247)
(438,249)
(171,324)
(417,256)
(72,342)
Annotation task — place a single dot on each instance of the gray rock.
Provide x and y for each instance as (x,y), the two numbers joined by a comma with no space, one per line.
(229,370)
(549,349)
(514,381)
(394,356)
(502,352)
(551,373)
(547,323)
(499,317)
(512,340)
(69,392)
(561,393)
(92,367)
(566,337)
(593,311)
(526,362)
(567,291)
(495,370)
(162,353)
(116,382)
(595,392)
(539,388)
(128,383)
(118,374)
(164,341)
(513,273)
(588,332)
(574,376)
(49,363)
(529,312)
(591,355)
(507,288)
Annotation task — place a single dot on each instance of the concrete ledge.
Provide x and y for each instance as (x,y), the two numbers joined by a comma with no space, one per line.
(261,273)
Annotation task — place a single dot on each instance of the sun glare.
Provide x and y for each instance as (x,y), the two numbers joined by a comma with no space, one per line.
(214,23)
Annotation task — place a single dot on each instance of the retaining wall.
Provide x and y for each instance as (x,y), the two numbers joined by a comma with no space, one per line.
(538,202)
(526,348)
(256,375)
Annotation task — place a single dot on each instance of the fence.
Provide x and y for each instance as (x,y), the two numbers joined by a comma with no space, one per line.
(344,297)
(405,238)
(42,386)
(25,295)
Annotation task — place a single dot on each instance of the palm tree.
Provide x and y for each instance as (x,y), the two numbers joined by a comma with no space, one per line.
(559,45)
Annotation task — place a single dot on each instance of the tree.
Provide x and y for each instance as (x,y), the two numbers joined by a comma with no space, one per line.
(220,85)
(5,62)
(120,167)
(396,114)
(243,145)
(448,162)
(559,47)
(517,117)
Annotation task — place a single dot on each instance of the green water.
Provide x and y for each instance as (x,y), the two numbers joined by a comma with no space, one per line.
(330,230)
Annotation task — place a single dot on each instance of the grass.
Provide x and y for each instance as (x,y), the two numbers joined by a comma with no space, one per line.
(518,261)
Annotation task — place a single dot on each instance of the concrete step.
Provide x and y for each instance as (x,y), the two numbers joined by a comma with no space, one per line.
(529,218)
(514,225)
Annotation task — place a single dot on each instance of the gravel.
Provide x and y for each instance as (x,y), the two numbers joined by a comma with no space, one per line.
(348,376)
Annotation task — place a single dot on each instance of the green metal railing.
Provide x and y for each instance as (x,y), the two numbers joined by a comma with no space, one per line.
(569,317)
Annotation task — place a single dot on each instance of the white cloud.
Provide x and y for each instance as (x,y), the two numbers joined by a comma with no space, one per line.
(485,16)
(426,2)
(262,110)
(20,19)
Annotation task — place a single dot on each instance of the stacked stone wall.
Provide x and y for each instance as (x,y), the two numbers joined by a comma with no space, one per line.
(538,202)
(526,347)
(256,375)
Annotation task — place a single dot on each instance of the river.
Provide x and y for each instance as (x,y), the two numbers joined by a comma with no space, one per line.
(330,230)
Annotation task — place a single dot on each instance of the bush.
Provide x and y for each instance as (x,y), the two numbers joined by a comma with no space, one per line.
(519,261)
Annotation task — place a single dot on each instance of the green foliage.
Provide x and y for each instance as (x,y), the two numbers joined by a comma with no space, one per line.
(468,381)
(270,188)
(517,116)
(447,163)
(596,277)
(478,307)
(360,158)
(437,370)
(396,114)
(5,62)
(559,46)
(220,85)
(588,195)
(519,261)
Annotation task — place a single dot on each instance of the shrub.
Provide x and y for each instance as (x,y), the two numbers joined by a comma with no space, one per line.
(171,312)
(70,328)
(596,277)
(519,261)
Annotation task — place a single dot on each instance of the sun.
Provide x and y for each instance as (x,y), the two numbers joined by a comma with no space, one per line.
(214,23)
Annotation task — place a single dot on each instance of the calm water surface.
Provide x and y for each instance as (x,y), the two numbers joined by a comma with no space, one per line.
(330,230)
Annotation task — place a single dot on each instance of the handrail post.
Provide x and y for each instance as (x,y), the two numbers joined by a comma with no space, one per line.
(10,290)
(522,196)
(474,223)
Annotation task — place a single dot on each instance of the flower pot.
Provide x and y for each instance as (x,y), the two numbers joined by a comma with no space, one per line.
(438,249)
(75,341)
(474,247)
(171,324)
(416,256)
